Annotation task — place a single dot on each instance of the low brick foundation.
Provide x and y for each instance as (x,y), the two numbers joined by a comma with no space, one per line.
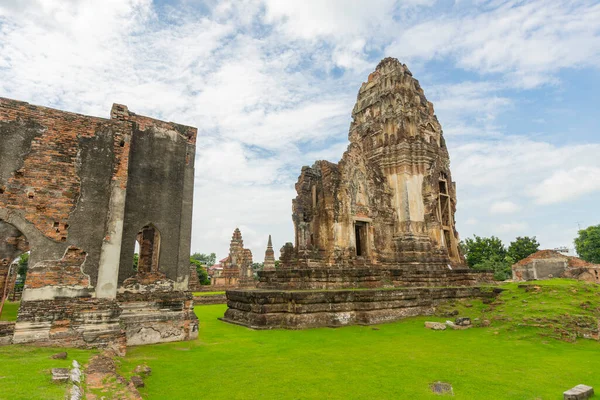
(131,319)
(206,300)
(70,322)
(268,309)
(158,317)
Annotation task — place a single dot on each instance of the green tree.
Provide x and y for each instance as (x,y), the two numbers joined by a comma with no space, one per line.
(136,260)
(201,271)
(522,248)
(481,249)
(23,265)
(257,266)
(587,244)
(206,259)
(502,267)
(276,264)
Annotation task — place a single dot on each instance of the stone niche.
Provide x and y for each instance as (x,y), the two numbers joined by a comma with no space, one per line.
(79,192)
(382,217)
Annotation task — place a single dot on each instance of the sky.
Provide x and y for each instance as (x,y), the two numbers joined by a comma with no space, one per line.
(270,85)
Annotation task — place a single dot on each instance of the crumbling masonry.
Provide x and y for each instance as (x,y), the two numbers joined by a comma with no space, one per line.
(78,192)
(382,217)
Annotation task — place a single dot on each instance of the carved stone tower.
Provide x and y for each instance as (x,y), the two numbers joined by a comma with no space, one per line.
(391,199)
(269,264)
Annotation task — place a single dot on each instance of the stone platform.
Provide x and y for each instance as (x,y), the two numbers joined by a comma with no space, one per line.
(289,309)
(370,277)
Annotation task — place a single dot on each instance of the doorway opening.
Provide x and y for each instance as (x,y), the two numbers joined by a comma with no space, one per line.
(148,239)
(360,232)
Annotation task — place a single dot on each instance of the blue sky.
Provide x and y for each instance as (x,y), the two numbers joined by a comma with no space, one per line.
(270,84)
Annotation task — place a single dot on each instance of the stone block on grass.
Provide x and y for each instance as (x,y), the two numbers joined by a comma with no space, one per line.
(579,392)
(436,326)
(60,375)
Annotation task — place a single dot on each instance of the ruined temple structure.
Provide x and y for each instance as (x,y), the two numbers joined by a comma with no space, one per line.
(237,266)
(78,192)
(547,264)
(381,217)
(269,263)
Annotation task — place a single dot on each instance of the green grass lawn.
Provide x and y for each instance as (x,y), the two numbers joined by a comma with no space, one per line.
(9,312)
(25,372)
(207,293)
(517,357)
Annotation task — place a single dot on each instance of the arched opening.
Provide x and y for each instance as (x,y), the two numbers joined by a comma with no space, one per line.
(148,240)
(13,267)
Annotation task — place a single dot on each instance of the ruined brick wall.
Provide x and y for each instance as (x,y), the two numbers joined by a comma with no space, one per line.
(78,190)
(55,174)
(159,192)
(391,199)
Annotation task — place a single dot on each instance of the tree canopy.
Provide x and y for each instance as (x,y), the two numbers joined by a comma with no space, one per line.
(587,244)
(201,271)
(479,249)
(523,247)
(206,259)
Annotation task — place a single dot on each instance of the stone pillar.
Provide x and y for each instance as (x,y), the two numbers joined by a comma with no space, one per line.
(108,270)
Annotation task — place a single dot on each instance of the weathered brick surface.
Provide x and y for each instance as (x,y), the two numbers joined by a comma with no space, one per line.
(47,185)
(64,272)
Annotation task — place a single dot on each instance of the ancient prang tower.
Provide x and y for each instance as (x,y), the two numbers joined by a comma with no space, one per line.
(237,266)
(79,192)
(383,217)
(391,199)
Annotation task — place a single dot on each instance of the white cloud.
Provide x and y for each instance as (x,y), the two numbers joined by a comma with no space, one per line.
(565,185)
(513,227)
(528,41)
(504,207)
(268,99)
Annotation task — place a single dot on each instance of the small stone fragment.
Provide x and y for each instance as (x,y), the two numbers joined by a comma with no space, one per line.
(137,381)
(143,370)
(75,393)
(436,326)
(60,356)
(60,375)
(579,392)
(441,388)
(76,375)
(463,321)
(485,323)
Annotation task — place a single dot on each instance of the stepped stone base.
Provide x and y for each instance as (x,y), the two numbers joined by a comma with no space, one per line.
(269,309)
(371,277)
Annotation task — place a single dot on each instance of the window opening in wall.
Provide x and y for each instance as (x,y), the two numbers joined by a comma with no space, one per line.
(360,232)
(443,187)
(148,239)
